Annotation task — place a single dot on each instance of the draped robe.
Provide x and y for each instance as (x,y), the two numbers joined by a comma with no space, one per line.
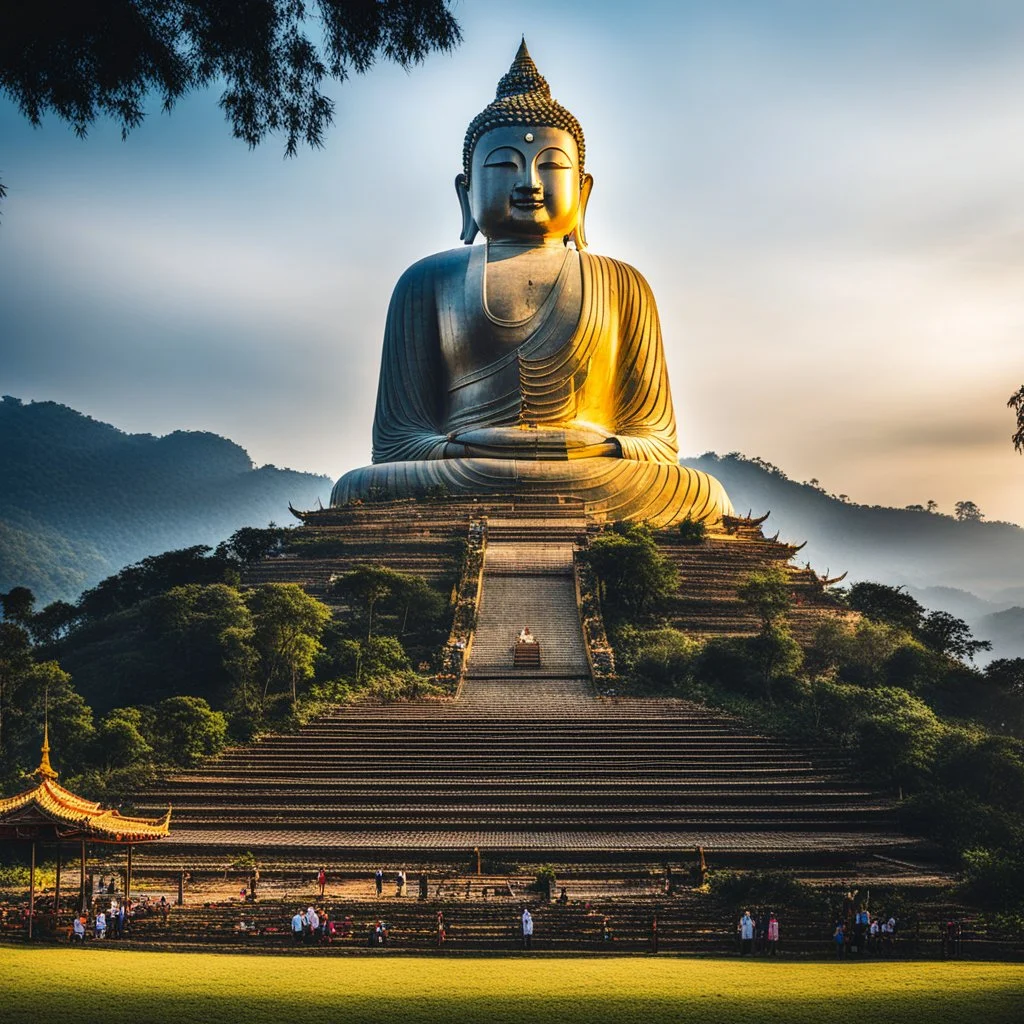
(573,400)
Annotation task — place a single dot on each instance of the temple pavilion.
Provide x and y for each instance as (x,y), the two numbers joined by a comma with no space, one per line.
(49,813)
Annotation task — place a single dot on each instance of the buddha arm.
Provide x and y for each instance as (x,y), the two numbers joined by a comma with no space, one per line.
(410,393)
(645,422)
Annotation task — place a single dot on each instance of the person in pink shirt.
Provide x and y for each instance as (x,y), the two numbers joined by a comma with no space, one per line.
(773,934)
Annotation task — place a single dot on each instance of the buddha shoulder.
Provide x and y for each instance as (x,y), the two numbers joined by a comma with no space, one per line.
(437,267)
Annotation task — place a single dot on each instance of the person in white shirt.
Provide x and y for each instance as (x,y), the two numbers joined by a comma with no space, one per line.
(526,637)
(527,927)
(746,932)
(78,929)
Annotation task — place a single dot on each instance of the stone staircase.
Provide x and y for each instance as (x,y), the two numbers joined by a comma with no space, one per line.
(529,580)
(569,777)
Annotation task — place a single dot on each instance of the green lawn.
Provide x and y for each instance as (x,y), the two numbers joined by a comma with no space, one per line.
(71,984)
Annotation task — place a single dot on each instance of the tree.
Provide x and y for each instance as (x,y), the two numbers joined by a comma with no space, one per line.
(153,576)
(196,633)
(946,634)
(776,653)
(82,59)
(884,603)
(693,531)
(768,593)
(931,506)
(251,544)
(414,598)
(53,622)
(1007,674)
(968,512)
(633,575)
(15,662)
(17,605)
(364,586)
(119,741)
(288,626)
(1016,403)
(185,730)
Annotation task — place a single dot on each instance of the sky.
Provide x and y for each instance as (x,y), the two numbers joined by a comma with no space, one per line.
(827,200)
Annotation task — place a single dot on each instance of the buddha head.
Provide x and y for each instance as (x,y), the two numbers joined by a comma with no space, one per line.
(523,176)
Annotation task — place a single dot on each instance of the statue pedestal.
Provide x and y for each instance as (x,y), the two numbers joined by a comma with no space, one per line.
(609,489)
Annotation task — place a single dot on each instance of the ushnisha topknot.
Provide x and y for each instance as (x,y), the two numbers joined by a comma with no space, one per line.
(523,97)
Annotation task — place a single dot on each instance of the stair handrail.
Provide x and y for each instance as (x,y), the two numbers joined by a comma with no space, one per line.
(476,580)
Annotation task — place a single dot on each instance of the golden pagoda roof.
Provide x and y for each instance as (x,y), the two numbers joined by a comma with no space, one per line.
(49,805)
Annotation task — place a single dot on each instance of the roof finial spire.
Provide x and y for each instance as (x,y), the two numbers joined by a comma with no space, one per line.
(45,769)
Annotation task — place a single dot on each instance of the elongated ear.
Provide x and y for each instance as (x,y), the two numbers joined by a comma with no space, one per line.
(579,233)
(469,228)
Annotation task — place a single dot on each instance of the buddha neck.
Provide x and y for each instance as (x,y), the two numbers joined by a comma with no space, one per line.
(510,248)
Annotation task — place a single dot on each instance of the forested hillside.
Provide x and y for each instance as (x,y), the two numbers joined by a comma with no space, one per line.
(971,568)
(80,499)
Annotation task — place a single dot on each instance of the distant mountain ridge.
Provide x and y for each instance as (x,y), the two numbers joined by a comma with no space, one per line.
(79,498)
(973,569)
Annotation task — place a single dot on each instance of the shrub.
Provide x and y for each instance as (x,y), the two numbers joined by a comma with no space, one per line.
(692,531)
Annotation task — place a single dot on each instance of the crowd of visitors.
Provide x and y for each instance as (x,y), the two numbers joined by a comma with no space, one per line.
(860,933)
(313,927)
(758,934)
(116,919)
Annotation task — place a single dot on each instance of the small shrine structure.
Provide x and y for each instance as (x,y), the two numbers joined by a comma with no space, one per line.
(49,813)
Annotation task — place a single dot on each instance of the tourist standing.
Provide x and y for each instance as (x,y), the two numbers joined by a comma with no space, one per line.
(442,931)
(321,881)
(298,925)
(378,880)
(101,924)
(312,925)
(839,938)
(773,934)
(746,933)
(527,928)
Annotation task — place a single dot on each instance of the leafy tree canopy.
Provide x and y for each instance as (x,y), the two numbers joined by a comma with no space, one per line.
(968,512)
(80,59)
(767,592)
(946,634)
(634,576)
(1016,403)
(17,604)
(185,730)
(884,603)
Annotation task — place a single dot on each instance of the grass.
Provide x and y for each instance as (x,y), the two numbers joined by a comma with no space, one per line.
(66,984)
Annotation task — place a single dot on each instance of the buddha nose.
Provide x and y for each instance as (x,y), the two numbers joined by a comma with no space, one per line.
(530,183)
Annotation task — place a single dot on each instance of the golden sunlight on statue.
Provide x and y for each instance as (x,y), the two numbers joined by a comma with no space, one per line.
(526,365)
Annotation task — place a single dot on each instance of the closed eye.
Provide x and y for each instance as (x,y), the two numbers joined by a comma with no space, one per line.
(506,164)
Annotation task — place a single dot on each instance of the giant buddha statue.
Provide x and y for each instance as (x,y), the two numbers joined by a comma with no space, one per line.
(527,365)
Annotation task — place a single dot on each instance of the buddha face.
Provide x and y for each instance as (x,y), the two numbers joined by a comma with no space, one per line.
(525,183)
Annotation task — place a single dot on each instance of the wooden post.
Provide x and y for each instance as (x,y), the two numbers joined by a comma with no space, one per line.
(56,895)
(128,876)
(82,905)
(32,889)
(181,888)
